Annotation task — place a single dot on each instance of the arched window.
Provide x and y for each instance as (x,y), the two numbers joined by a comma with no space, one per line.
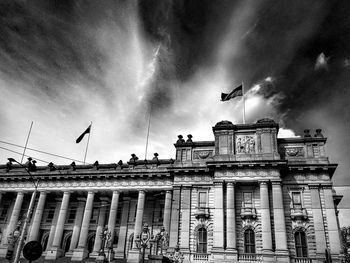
(300,244)
(202,240)
(249,241)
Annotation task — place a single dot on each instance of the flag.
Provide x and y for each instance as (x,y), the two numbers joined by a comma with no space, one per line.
(83,134)
(235,93)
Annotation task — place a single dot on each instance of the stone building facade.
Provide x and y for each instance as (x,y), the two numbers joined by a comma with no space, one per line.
(245,196)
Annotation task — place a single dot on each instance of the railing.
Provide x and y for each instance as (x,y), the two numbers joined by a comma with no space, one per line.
(201,212)
(200,257)
(248,212)
(298,213)
(302,260)
(249,257)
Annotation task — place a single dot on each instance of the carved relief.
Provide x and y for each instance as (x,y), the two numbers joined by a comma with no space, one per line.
(245,144)
(204,154)
(294,151)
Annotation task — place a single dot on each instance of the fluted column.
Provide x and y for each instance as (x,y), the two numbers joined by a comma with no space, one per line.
(265,217)
(123,229)
(15,215)
(320,235)
(113,213)
(167,211)
(77,223)
(230,217)
(53,223)
(139,215)
(333,231)
(175,215)
(34,231)
(100,226)
(218,231)
(279,219)
(56,250)
(81,252)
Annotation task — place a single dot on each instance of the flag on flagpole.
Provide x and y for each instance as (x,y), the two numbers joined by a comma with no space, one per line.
(83,134)
(235,93)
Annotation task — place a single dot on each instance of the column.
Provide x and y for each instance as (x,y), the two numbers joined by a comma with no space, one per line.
(265,217)
(34,231)
(218,231)
(230,217)
(56,251)
(12,224)
(320,235)
(167,211)
(123,229)
(175,215)
(186,219)
(0,199)
(100,226)
(53,223)
(113,213)
(333,231)
(139,215)
(77,224)
(81,251)
(279,222)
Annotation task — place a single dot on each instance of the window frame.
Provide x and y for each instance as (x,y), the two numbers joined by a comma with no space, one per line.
(251,199)
(301,250)
(249,244)
(202,240)
(199,203)
(298,205)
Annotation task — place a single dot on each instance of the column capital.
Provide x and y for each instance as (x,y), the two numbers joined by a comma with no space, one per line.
(168,191)
(231,183)
(92,192)
(263,182)
(42,192)
(276,182)
(116,192)
(141,191)
(327,186)
(217,183)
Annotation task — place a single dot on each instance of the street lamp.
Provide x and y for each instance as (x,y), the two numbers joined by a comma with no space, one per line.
(105,235)
(142,240)
(28,214)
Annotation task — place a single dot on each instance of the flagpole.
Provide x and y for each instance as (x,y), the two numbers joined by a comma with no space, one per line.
(87,144)
(25,147)
(149,124)
(243,102)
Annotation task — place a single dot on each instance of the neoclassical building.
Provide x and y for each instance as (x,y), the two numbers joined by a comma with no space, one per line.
(244,196)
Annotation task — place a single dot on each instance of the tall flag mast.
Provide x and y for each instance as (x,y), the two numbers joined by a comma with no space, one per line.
(87,131)
(238,91)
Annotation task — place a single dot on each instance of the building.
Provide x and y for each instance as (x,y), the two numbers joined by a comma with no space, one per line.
(245,196)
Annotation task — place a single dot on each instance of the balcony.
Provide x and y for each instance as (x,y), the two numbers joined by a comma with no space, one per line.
(248,213)
(302,260)
(200,257)
(202,212)
(249,257)
(298,213)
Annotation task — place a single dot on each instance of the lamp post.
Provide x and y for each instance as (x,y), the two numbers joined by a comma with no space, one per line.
(12,240)
(142,241)
(29,212)
(105,235)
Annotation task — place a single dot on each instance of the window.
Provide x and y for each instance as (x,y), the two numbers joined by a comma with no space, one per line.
(94,216)
(300,244)
(248,199)
(202,199)
(296,199)
(202,240)
(50,214)
(4,211)
(249,241)
(71,215)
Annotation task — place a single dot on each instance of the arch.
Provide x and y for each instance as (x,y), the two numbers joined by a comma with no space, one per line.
(45,240)
(249,241)
(129,245)
(90,242)
(66,241)
(300,242)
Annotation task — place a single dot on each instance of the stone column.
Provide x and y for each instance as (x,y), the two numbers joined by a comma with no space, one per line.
(333,231)
(218,231)
(34,231)
(186,219)
(230,217)
(56,251)
(53,223)
(265,218)
(123,229)
(281,252)
(77,224)
(175,213)
(320,234)
(139,215)
(167,211)
(15,214)
(113,213)
(81,251)
(100,226)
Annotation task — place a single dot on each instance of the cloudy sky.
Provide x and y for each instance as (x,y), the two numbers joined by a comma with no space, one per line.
(64,64)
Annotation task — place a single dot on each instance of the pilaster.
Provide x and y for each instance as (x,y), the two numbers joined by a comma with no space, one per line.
(175,214)
(218,227)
